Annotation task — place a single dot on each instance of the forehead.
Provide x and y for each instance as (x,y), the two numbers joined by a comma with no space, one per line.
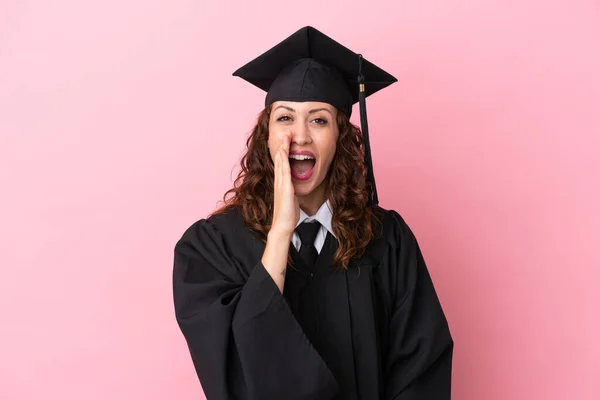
(304,106)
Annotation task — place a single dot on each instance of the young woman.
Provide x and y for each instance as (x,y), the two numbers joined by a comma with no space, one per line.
(301,286)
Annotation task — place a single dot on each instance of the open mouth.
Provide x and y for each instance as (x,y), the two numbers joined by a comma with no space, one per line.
(302,166)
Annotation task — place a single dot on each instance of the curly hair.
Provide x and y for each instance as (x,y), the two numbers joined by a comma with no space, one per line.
(354,222)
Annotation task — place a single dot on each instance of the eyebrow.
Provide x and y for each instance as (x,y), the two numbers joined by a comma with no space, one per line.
(310,112)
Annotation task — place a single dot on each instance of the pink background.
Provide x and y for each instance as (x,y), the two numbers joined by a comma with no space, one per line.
(121,124)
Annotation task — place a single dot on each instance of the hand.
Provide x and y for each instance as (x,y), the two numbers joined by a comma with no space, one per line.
(286,209)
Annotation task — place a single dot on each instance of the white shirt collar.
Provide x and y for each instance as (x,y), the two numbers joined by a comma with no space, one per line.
(323,215)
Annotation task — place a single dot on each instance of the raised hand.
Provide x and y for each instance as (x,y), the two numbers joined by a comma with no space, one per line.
(286,209)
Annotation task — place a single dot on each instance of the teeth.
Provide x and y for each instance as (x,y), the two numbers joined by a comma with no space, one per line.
(301,157)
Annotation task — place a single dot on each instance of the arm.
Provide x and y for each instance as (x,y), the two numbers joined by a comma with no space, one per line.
(419,365)
(275,257)
(242,337)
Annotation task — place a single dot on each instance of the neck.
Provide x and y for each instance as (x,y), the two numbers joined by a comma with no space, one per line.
(311,203)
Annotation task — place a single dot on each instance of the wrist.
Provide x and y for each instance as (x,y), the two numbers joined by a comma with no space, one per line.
(280,235)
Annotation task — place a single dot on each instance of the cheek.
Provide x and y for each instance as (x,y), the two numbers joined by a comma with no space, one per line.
(327,152)
(274,141)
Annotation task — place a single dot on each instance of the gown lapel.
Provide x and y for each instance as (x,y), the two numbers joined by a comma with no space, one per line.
(321,303)
(341,314)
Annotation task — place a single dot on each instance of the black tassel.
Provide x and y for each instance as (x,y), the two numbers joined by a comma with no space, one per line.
(373,199)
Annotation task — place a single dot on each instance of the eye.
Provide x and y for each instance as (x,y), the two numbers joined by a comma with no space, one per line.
(320,121)
(284,118)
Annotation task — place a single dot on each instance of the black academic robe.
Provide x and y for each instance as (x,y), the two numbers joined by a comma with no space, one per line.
(374,331)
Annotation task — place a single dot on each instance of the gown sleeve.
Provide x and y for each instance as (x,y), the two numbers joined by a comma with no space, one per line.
(242,336)
(419,363)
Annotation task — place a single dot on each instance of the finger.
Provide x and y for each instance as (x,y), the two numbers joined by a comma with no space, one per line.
(279,159)
(287,139)
(277,182)
(276,157)
(277,165)
(285,164)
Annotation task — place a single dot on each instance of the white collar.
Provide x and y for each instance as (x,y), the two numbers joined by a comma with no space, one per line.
(323,215)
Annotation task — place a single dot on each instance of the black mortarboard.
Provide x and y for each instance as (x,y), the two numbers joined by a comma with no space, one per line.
(310,66)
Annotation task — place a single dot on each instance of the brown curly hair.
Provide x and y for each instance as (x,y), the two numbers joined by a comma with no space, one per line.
(354,221)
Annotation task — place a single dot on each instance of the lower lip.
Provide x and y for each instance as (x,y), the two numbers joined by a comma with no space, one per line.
(303,177)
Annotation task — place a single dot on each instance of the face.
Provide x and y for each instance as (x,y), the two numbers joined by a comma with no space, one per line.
(314,134)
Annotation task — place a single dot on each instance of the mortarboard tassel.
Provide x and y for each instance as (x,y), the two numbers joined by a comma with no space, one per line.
(373,200)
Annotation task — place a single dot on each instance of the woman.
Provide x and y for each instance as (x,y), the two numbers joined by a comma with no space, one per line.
(301,286)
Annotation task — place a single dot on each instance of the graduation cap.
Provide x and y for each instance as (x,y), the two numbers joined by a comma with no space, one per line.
(310,66)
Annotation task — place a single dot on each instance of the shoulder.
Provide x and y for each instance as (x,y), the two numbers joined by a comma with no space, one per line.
(393,227)
(213,227)
(393,237)
(224,232)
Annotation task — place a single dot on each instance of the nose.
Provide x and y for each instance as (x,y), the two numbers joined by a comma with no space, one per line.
(301,134)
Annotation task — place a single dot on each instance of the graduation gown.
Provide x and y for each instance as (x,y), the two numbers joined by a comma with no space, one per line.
(374,331)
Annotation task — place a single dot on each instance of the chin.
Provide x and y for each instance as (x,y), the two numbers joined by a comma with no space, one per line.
(306,188)
(303,189)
